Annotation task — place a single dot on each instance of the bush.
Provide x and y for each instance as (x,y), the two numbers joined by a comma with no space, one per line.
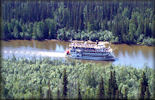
(77,36)
(141,37)
(108,36)
(93,37)
(149,41)
(61,34)
(27,36)
(84,36)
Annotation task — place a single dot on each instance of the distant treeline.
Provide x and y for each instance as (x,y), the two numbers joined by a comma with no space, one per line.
(121,22)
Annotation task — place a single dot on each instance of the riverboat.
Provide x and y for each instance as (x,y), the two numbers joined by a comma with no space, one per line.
(89,51)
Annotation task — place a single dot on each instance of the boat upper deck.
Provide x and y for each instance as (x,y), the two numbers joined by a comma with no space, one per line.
(87,44)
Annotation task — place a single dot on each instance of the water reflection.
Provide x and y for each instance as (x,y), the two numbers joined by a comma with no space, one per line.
(127,55)
(134,55)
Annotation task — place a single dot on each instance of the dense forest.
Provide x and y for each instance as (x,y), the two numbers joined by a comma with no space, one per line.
(117,22)
(45,78)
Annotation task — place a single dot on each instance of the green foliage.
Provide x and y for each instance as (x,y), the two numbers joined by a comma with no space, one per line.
(147,94)
(39,30)
(22,78)
(89,26)
(84,36)
(58,94)
(63,34)
(65,82)
(49,94)
(5,32)
(101,89)
(149,41)
(144,90)
(50,29)
(120,22)
(79,92)
(93,37)
(108,36)
(112,87)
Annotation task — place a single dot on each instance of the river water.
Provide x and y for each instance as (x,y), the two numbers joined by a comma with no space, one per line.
(134,55)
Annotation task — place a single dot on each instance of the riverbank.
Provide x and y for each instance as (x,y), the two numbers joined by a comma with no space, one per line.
(31,78)
(138,44)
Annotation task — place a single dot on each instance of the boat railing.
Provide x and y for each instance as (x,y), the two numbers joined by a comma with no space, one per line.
(85,45)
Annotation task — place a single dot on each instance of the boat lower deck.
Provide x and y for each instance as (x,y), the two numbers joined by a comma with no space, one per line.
(110,58)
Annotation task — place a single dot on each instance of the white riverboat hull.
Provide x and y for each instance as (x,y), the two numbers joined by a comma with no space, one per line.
(93,58)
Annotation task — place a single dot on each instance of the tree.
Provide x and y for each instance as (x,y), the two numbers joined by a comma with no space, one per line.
(5,32)
(89,26)
(65,82)
(40,90)
(58,94)
(17,29)
(121,95)
(132,30)
(49,94)
(143,86)
(112,88)
(138,32)
(114,84)
(79,92)
(101,92)
(117,94)
(51,27)
(45,30)
(147,93)
(39,30)
(126,93)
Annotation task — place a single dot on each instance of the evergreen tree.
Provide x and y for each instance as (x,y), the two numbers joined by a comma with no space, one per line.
(117,94)
(5,32)
(143,86)
(101,92)
(153,94)
(32,96)
(79,92)
(58,94)
(110,85)
(16,31)
(112,88)
(39,31)
(126,93)
(49,94)
(142,92)
(132,30)
(41,95)
(147,93)
(121,95)
(115,88)
(65,82)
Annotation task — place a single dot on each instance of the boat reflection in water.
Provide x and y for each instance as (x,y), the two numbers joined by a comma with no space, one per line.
(90,51)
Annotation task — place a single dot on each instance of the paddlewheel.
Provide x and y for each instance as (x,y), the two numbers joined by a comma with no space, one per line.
(67,52)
